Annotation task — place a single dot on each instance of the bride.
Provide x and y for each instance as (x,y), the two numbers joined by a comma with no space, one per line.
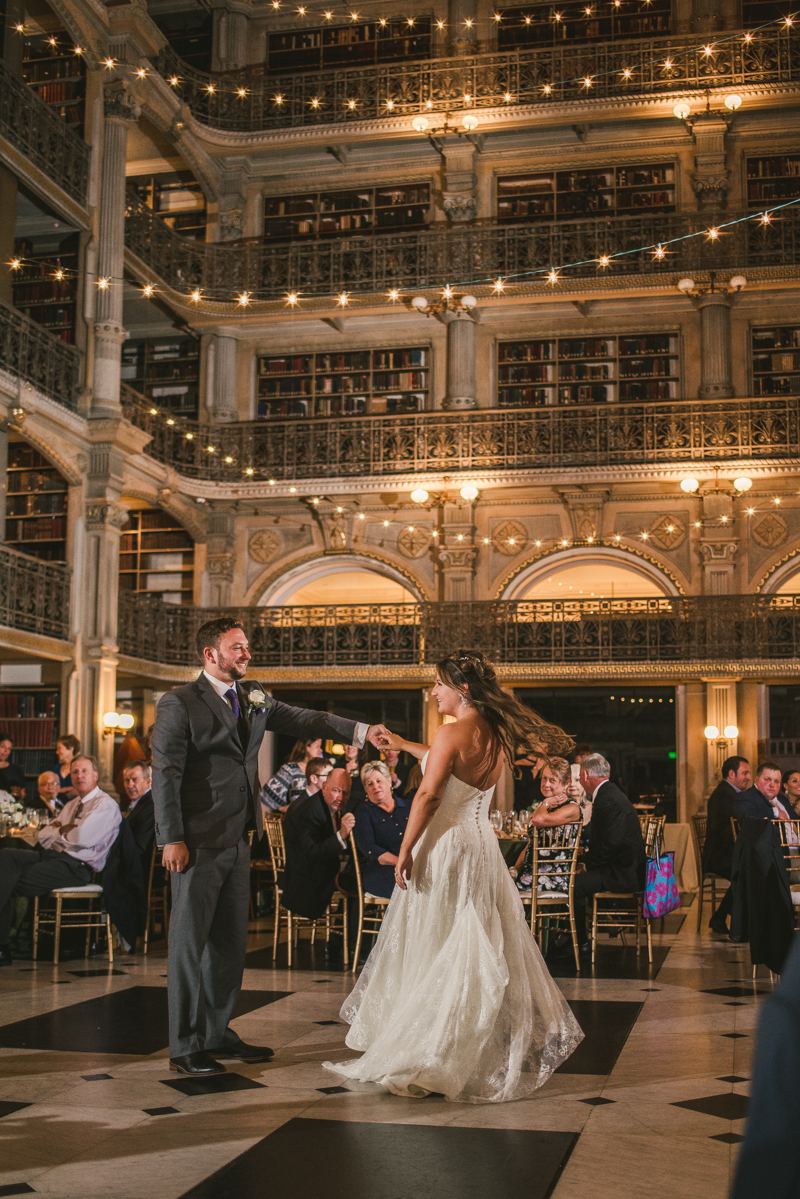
(455,998)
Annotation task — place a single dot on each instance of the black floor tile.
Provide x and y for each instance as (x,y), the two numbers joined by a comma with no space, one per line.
(606,1024)
(734,1003)
(613,961)
(8,1107)
(96,1077)
(95,973)
(597,1101)
(332,1090)
(733,1078)
(734,1036)
(727,1106)
(130,1021)
(16,1188)
(346,1160)
(727,1138)
(218,1084)
(322,1023)
(161,1111)
(652,988)
(733,992)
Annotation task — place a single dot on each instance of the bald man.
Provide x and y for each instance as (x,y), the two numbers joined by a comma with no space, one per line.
(49,786)
(316,832)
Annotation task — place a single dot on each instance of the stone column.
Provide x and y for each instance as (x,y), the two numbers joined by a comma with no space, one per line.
(218,576)
(230,40)
(221,378)
(720,711)
(690,720)
(119,110)
(715,346)
(460,362)
(718,547)
(711,174)
(458,191)
(463,39)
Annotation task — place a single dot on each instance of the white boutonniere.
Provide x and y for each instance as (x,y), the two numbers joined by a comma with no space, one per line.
(256,702)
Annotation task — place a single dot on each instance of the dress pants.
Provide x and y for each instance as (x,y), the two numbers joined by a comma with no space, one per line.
(207,946)
(35,872)
(587,883)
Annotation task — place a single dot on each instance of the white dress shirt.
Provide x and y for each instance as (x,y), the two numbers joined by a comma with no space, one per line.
(94,833)
(221,688)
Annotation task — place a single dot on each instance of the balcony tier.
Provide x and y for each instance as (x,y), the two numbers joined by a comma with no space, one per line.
(37,132)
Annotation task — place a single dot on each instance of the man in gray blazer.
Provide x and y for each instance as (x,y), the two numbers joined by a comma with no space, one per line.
(205,759)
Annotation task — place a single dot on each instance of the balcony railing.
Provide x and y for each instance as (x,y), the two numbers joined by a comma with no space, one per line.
(41,136)
(672,629)
(712,431)
(430,258)
(355,94)
(34,595)
(32,353)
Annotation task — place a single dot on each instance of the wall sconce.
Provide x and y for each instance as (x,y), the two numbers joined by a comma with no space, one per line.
(689,288)
(469,492)
(690,486)
(448,303)
(729,733)
(117,722)
(682,110)
(420,496)
(742,485)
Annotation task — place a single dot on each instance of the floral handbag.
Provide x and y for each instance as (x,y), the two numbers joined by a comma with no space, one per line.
(660,889)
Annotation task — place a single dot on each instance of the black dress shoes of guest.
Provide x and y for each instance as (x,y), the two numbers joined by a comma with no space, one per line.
(718,926)
(563,952)
(5,956)
(249,1054)
(197,1065)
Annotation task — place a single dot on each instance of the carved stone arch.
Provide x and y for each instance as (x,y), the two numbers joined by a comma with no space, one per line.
(275,585)
(781,570)
(631,559)
(187,147)
(171,504)
(80,27)
(72,474)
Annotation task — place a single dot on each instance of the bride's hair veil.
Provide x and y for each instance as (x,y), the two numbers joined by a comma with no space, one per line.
(516,726)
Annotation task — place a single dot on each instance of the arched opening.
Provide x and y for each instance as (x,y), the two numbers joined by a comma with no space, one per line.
(156,554)
(787,580)
(343,579)
(581,574)
(36,505)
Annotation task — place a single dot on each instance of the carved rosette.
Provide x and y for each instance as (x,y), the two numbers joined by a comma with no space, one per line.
(264,545)
(668,533)
(412,541)
(510,538)
(770,532)
(460,208)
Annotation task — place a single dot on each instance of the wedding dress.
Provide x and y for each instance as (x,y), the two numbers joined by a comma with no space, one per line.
(455,997)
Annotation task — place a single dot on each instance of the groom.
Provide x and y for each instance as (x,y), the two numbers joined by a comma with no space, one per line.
(205,758)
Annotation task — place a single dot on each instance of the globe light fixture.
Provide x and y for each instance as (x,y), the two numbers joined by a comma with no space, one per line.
(742,484)
(470,122)
(711,732)
(731,732)
(737,283)
(420,303)
(469,492)
(469,302)
(682,110)
(733,102)
(686,285)
(690,486)
(419,496)
(420,124)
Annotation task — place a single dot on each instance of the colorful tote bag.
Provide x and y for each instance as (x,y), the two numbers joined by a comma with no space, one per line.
(660,889)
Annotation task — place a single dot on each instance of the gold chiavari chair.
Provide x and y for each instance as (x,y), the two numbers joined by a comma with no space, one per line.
(708,880)
(369,922)
(555,858)
(335,918)
(157,898)
(606,912)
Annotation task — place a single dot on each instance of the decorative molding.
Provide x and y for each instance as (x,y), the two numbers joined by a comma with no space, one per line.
(264,545)
(413,541)
(221,566)
(557,551)
(509,538)
(264,583)
(101,515)
(770,532)
(668,533)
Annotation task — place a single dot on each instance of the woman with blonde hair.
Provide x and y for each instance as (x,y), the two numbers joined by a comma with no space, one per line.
(557,808)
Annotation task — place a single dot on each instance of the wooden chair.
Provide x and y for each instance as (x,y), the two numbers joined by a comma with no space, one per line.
(609,915)
(707,877)
(85,916)
(653,833)
(554,905)
(157,898)
(368,922)
(734,827)
(789,832)
(335,918)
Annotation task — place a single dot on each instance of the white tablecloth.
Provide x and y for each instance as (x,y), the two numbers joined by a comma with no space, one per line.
(678,838)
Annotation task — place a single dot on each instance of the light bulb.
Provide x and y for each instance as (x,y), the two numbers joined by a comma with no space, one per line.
(468,302)
(731,731)
(681,110)
(690,485)
(420,124)
(111,720)
(710,732)
(126,721)
(469,492)
(419,496)
(733,102)
(420,303)
(686,285)
(469,122)
(742,484)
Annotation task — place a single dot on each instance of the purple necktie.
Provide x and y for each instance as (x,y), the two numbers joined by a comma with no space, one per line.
(232,696)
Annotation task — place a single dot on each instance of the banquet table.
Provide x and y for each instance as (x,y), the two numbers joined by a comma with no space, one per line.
(678,839)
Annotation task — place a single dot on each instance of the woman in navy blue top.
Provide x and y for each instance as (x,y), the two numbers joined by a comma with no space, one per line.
(380,825)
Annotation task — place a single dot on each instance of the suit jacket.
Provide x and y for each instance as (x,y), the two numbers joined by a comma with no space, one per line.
(142,823)
(313,857)
(718,848)
(205,762)
(125,886)
(616,845)
(751,805)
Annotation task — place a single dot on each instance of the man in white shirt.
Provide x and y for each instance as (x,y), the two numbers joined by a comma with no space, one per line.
(70,848)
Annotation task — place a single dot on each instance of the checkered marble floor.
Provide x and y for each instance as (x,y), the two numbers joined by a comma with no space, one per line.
(656,1093)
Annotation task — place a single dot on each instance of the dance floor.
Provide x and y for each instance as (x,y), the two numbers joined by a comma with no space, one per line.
(654,1099)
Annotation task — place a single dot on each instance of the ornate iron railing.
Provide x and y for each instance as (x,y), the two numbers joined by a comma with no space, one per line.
(36,131)
(36,355)
(503,80)
(34,595)
(483,440)
(464,254)
(672,629)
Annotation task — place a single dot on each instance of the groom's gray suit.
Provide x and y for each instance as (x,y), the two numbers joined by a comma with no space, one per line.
(205,791)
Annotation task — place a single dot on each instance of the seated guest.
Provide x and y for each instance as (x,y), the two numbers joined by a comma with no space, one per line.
(48,786)
(280,791)
(69,850)
(315,834)
(616,859)
(790,797)
(67,747)
(12,777)
(557,808)
(317,771)
(718,847)
(761,802)
(398,772)
(380,825)
(141,816)
(353,760)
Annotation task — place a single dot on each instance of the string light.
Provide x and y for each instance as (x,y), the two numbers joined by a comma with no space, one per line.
(498,286)
(292,299)
(343,299)
(394,295)
(659,252)
(104,282)
(109,63)
(552,277)
(174,80)
(390,104)
(244,299)
(140,74)
(604,260)
(195,296)
(765,218)
(241,92)
(15,264)
(148,290)
(713,234)
(314,103)
(59,274)
(626,73)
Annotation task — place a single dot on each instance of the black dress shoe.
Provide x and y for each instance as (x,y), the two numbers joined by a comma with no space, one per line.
(197,1065)
(5,956)
(718,926)
(244,1053)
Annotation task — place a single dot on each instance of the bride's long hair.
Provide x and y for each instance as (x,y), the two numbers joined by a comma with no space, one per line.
(515,726)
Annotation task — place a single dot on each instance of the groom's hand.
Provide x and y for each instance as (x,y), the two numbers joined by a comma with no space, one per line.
(374,734)
(175,857)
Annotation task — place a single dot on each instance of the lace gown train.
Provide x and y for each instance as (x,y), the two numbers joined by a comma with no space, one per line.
(455,997)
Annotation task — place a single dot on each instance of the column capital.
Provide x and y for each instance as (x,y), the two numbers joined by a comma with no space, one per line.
(102,514)
(118,103)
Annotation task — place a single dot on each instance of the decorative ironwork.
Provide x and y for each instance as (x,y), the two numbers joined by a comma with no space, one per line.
(430,258)
(670,629)
(34,595)
(499,80)
(485,440)
(33,128)
(36,355)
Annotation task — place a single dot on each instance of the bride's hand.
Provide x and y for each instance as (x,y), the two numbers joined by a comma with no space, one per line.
(402,870)
(389,740)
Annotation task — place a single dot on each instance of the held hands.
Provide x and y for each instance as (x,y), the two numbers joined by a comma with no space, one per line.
(376,734)
(175,857)
(402,871)
(347,825)
(388,741)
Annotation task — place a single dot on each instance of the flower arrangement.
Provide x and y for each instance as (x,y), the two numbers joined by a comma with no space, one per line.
(11,810)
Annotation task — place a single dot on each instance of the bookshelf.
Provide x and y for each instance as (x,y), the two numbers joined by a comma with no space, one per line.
(356,44)
(190,34)
(343,213)
(157,556)
(166,370)
(624,368)
(776,360)
(536,24)
(559,195)
(37,292)
(344,383)
(36,506)
(178,199)
(758,12)
(57,74)
(772,179)
(31,719)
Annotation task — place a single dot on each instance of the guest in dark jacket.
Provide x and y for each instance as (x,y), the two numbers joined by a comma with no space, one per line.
(616,858)
(316,842)
(141,816)
(380,825)
(718,848)
(761,802)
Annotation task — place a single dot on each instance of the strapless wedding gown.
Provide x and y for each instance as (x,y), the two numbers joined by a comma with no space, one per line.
(455,997)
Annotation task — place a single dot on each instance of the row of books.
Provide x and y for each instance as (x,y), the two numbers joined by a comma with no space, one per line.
(27,704)
(48,503)
(33,734)
(47,528)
